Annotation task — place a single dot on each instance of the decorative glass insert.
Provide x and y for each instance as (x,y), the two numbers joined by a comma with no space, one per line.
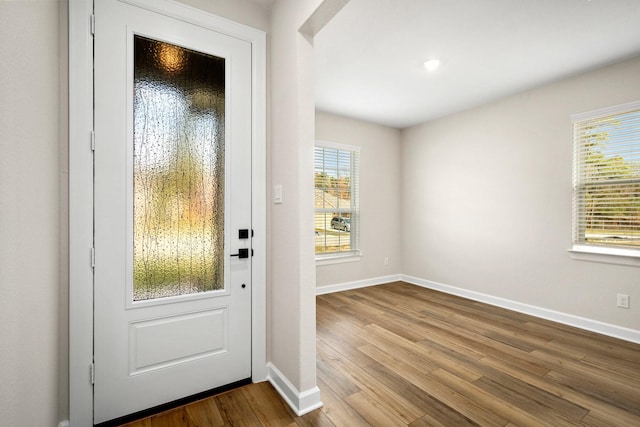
(178,169)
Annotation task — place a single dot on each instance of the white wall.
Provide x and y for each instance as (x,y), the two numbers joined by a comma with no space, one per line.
(29,211)
(379,198)
(292,275)
(487,200)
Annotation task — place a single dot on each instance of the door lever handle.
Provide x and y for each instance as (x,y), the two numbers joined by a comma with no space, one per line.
(242,253)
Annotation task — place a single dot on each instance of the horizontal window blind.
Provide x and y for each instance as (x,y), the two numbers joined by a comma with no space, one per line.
(336,172)
(607,177)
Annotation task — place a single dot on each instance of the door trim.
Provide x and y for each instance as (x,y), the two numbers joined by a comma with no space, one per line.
(81,191)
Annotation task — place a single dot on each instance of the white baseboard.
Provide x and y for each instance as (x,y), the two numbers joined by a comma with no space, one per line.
(555,316)
(64,423)
(321,290)
(301,402)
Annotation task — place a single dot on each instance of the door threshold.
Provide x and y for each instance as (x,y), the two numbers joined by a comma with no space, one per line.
(172,405)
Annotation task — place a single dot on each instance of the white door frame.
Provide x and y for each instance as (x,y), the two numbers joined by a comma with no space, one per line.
(81,191)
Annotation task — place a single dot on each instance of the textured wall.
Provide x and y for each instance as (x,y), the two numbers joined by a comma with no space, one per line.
(29,212)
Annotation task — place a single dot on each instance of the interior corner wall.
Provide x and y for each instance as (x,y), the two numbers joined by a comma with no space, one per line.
(30,102)
(380,200)
(487,200)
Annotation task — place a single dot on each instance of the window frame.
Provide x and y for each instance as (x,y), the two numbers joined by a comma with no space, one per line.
(581,249)
(354,234)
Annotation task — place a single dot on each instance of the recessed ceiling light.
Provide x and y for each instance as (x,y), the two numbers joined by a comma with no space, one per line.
(432,64)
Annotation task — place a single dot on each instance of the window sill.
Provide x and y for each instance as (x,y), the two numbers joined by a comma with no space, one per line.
(337,259)
(620,256)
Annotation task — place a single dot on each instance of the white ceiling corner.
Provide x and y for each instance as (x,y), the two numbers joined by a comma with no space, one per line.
(369,58)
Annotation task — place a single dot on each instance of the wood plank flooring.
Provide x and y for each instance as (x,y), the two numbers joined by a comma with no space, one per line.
(401,355)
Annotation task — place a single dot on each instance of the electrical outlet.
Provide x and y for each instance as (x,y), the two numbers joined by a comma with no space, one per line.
(622,301)
(386,260)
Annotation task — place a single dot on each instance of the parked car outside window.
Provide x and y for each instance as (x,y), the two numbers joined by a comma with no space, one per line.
(341,223)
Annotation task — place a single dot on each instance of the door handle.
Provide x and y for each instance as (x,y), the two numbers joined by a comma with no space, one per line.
(242,253)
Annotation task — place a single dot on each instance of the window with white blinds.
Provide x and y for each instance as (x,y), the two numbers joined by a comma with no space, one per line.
(606,189)
(336,171)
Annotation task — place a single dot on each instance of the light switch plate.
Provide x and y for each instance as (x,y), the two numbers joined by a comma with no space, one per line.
(277,194)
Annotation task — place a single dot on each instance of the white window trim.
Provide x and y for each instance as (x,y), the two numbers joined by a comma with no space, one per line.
(607,111)
(337,146)
(605,254)
(596,253)
(343,257)
(338,259)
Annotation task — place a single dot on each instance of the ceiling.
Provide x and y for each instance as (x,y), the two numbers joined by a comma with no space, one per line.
(369,58)
(264,3)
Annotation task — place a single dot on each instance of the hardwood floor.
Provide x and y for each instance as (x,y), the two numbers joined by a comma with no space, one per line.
(401,355)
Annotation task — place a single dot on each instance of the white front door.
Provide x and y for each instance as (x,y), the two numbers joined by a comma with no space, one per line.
(172,194)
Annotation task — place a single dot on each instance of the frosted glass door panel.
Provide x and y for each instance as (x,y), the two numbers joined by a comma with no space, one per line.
(179,162)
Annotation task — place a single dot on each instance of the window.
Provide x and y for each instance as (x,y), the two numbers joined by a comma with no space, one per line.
(336,199)
(606,189)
